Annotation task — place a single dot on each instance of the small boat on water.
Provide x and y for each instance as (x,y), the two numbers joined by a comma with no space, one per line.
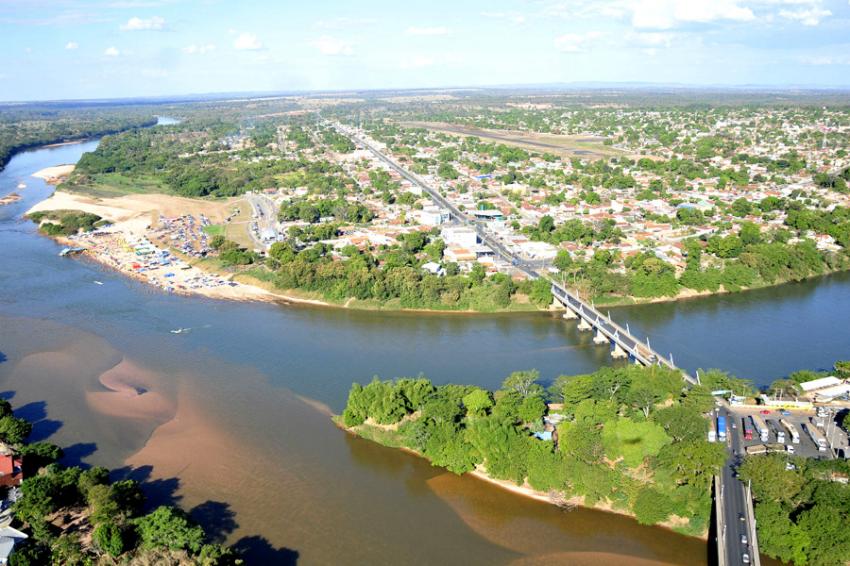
(69,251)
(22,185)
(180,330)
(96,282)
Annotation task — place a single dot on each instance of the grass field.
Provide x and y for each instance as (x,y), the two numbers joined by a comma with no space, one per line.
(115,185)
(237,229)
(214,230)
(565,146)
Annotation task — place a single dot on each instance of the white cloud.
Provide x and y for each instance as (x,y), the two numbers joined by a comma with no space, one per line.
(138,24)
(807,16)
(332,46)
(575,42)
(439,30)
(665,14)
(72,45)
(111,52)
(200,49)
(247,42)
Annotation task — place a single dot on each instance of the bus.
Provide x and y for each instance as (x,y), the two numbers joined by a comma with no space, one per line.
(748,430)
(816,436)
(721,428)
(792,430)
(761,428)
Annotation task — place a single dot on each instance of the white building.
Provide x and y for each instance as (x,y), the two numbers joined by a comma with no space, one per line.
(461,236)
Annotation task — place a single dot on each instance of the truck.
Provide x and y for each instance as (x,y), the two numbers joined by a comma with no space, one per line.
(792,431)
(721,428)
(756,449)
(712,431)
(816,436)
(748,430)
(760,428)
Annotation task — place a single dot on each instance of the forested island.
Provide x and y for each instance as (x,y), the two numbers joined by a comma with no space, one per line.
(630,439)
(76,515)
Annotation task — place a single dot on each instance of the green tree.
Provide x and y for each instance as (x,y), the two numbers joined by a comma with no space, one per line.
(168,527)
(109,539)
(681,423)
(651,506)
(523,382)
(771,481)
(692,462)
(14,430)
(478,402)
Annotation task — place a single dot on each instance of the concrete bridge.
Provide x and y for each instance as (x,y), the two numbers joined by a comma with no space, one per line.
(623,344)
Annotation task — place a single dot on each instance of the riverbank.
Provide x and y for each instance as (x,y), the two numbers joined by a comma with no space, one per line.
(54,175)
(136,217)
(686,294)
(385,435)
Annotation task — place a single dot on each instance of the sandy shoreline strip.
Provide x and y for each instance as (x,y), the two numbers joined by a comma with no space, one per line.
(132,217)
(524,490)
(53,175)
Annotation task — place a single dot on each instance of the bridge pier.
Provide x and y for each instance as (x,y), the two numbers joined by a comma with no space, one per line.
(584,325)
(617,352)
(570,314)
(600,338)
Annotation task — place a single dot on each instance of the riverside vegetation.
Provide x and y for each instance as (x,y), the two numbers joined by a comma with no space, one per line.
(738,212)
(633,439)
(77,516)
(26,126)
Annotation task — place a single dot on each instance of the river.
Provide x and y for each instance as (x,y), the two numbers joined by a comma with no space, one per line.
(234,421)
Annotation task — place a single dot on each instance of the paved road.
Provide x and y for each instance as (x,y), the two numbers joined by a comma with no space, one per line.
(265,217)
(734,497)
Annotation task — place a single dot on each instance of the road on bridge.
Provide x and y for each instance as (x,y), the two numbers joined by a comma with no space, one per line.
(736,521)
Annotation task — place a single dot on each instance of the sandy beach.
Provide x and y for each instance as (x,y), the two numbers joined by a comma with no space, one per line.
(54,175)
(134,219)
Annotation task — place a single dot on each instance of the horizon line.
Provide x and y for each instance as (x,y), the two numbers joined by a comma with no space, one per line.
(556,86)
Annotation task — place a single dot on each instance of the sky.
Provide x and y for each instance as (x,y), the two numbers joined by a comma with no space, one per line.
(70,49)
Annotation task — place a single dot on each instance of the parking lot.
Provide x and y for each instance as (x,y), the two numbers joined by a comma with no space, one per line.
(806,447)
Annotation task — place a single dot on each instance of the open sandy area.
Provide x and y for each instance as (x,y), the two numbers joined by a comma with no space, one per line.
(54,174)
(134,218)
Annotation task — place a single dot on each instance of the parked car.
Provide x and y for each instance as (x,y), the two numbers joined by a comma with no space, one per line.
(745,558)
(744,539)
(785,413)
(741,517)
(765,412)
